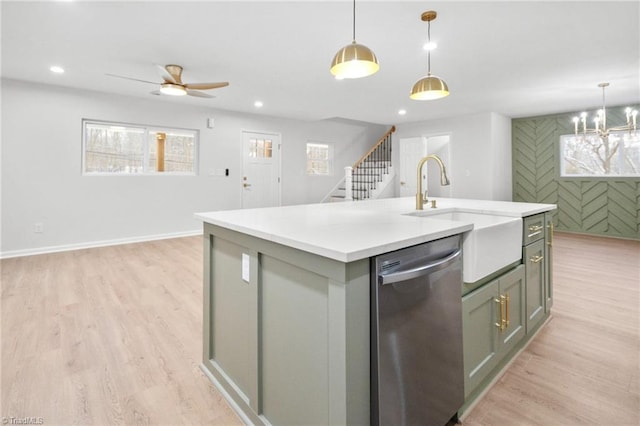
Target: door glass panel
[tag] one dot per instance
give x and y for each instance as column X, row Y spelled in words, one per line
column 260, row 148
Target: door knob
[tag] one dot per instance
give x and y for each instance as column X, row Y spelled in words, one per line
column 403, row 183
column 246, row 185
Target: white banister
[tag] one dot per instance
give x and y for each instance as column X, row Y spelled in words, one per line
column 348, row 183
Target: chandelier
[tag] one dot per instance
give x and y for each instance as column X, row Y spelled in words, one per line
column 600, row 121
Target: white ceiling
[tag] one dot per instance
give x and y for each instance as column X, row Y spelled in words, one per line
column 514, row 58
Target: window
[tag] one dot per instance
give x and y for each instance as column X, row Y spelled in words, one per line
column 590, row 155
column 114, row 148
column 318, row 159
column 260, row 148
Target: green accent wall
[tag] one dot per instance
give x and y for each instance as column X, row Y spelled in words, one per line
column 600, row 206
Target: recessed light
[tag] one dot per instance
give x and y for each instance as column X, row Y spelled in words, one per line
column 56, row 69
column 402, row 112
column 258, row 104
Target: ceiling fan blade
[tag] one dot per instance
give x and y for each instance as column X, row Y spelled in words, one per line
column 198, row 94
column 206, row 86
column 131, row 78
column 165, row 74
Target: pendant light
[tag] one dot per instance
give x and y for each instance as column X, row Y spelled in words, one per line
column 429, row 87
column 354, row 60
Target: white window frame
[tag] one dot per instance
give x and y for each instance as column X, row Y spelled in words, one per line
column 329, row 160
column 146, row 129
column 617, row 157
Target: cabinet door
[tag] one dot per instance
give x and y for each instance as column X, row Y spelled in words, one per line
column 480, row 324
column 548, row 262
column 512, row 288
column 533, row 257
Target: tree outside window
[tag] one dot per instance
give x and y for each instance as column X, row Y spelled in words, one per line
column 591, row 155
column 118, row 149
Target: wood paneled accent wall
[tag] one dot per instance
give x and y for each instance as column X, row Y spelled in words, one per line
column 599, row 206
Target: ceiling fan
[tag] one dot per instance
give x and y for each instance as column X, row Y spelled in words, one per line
column 173, row 85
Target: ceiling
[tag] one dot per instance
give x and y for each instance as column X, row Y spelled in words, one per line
column 515, row 58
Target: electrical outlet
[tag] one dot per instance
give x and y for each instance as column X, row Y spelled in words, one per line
column 38, row 227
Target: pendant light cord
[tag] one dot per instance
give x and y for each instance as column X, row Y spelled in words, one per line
column 354, row 21
column 429, row 51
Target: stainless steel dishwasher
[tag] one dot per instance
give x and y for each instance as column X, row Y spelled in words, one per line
column 417, row 374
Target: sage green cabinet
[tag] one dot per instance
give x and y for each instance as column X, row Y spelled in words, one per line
column 548, row 255
column 493, row 323
column 533, row 256
column 286, row 332
column 501, row 316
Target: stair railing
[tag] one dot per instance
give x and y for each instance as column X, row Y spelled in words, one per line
column 364, row 170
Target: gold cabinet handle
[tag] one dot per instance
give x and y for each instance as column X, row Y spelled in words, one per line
column 550, row 226
column 535, row 230
column 500, row 323
column 536, row 259
column 505, row 316
column 246, row 185
column 506, row 310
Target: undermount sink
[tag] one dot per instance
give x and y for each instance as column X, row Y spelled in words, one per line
column 493, row 243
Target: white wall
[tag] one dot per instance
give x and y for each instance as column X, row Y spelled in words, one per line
column 42, row 180
column 480, row 144
column 502, row 184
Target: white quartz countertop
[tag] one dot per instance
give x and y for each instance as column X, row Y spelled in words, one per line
column 350, row 231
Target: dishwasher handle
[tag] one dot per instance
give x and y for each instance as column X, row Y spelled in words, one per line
column 419, row 271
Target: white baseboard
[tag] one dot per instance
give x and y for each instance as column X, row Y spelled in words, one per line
column 93, row 244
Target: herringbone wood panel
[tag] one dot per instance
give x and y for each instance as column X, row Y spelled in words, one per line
column 603, row 206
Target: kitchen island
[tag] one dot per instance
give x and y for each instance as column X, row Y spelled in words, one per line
column 286, row 300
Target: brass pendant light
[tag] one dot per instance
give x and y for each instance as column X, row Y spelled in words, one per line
column 429, row 87
column 354, row 60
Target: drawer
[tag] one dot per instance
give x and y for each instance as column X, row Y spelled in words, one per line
column 533, row 229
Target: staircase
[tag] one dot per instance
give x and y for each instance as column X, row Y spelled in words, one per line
column 369, row 176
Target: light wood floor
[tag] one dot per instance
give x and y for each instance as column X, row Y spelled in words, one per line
column 108, row 336
column 113, row 336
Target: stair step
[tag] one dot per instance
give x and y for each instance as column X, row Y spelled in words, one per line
column 370, row 161
column 365, row 181
column 367, row 176
column 373, row 169
column 370, row 167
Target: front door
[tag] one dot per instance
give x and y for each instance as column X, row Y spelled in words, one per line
column 260, row 170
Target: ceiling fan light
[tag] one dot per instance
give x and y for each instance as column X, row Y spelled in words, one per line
column 428, row 88
column 354, row 61
column 172, row 89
